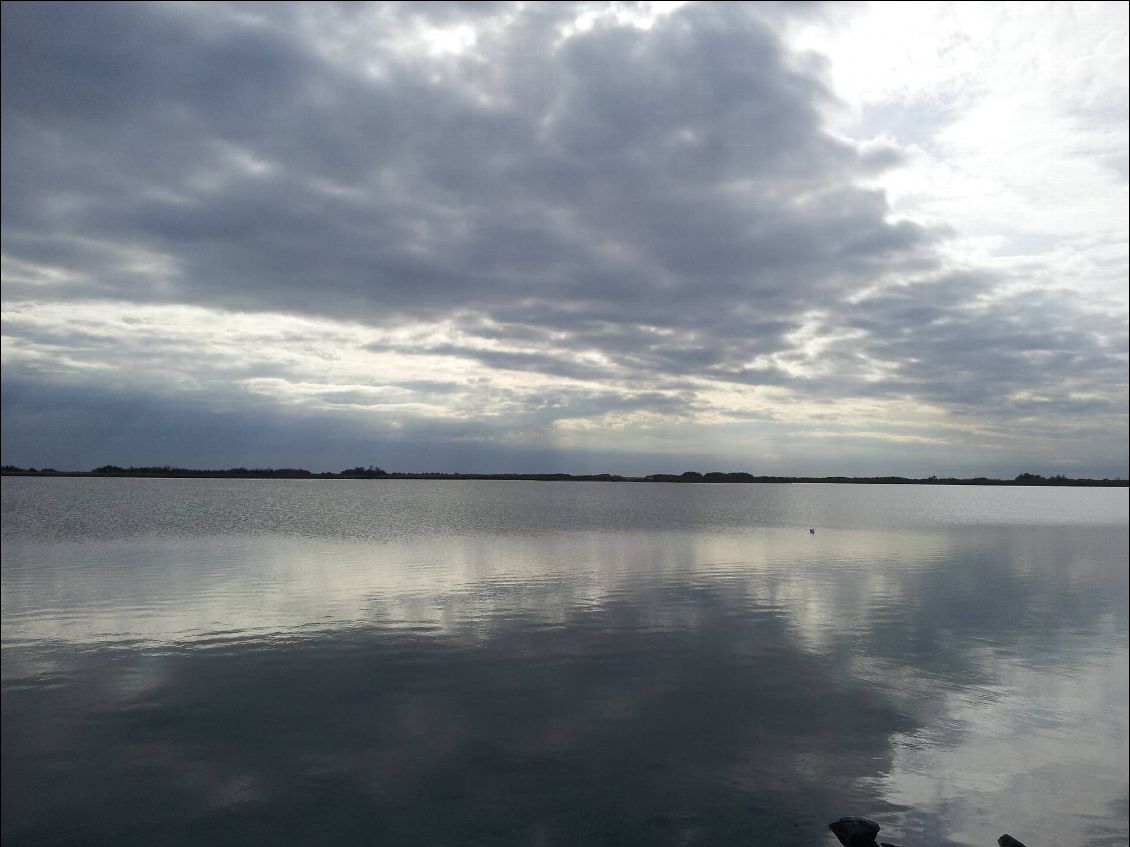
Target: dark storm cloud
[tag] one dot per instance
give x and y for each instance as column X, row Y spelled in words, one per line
column 957, row 342
column 677, row 176
column 82, row 426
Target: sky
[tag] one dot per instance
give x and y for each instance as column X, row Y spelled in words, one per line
column 793, row 238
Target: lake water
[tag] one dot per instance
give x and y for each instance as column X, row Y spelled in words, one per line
column 439, row 663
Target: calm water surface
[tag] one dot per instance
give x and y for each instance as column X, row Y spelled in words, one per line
column 308, row 662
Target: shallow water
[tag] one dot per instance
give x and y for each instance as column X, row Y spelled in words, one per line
column 410, row 662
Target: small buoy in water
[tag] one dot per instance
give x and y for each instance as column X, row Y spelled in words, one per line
column 812, row 532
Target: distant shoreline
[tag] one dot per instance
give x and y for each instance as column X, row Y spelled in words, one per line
column 168, row 472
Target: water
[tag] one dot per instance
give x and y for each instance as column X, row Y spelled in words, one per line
column 308, row 662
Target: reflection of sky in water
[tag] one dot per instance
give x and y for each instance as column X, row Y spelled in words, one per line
column 641, row 664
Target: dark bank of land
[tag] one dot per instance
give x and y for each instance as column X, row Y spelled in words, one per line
column 373, row 472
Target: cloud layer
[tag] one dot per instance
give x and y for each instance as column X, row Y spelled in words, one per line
column 562, row 230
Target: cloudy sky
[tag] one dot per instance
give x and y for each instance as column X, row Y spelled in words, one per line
column 782, row 238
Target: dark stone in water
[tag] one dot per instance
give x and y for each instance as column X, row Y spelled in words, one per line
column 860, row 832
column 855, row 832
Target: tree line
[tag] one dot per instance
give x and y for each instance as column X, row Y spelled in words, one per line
column 376, row 472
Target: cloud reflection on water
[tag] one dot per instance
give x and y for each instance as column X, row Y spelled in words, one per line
column 584, row 687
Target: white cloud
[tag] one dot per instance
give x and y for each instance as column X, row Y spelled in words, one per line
column 1014, row 118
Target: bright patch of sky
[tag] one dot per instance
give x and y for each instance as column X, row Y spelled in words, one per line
column 1012, row 118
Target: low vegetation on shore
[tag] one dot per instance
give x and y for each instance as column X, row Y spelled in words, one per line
column 374, row 472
